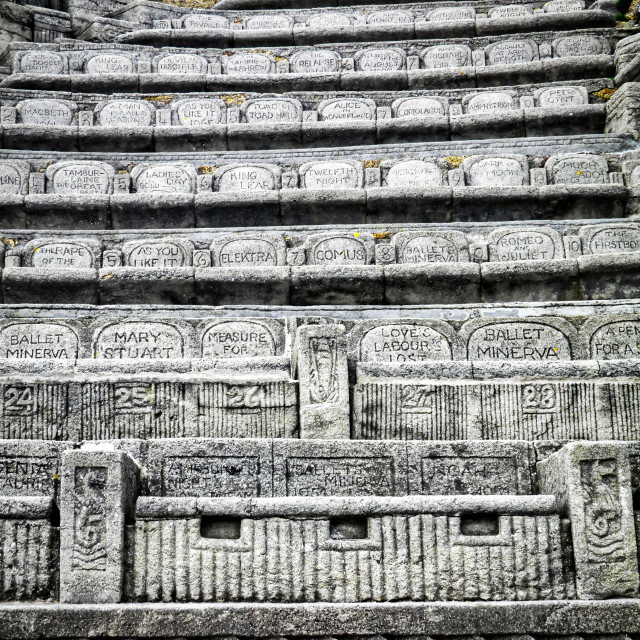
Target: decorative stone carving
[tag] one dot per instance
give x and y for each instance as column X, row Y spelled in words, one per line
column 332, row 175
column 79, row 178
column 444, row 56
column 45, row 112
column 199, row 112
column 248, row 250
column 125, row 113
column 271, row 110
column 164, row 178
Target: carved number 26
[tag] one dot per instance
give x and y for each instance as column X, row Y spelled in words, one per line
column 538, row 397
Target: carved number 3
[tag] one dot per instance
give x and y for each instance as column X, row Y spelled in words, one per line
column 254, row 396
column 538, row 396
column 19, row 400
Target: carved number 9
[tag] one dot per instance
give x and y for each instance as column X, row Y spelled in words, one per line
column 538, row 397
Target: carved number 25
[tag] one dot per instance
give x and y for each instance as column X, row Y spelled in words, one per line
column 19, row 400
column 538, row 397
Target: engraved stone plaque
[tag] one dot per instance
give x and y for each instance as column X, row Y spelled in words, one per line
column 562, row 97
column 329, row 19
column 497, row 172
column 389, row 17
column 422, row 247
column 580, row 46
column 524, row 244
column 31, row 471
column 140, row 340
column 511, row 52
column 619, row 340
column 444, row 56
column 564, row 6
column 250, row 64
column 58, row 253
column 109, row 63
column 373, row 60
column 248, row 250
column 414, row 174
column 452, row 13
column 315, row 61
column 38, row 341
column 14, row 177
column 199, row 112
column 404, row 342
column 418, row 108
column 272, row 110
column 612, row 239
column 332, row 175
column 490, row 102
column 45, row 112
column 510, row 11
column 246, row 178
column 339, row 249
column 204, row 21
column 577, row 169
column 80, row 178
column 269, row 22
column 518, row 340
column 126, row 113
column 157, row 254
column 164, row 178
column 347, row 109
column 45, row 62
column 471, row 468
column 242, row 339
column 181, row 63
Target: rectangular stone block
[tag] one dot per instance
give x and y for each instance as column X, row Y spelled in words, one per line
column 592, row 482
column 349, row 550
column 339, row 468
column 98, row 493
column 321, row 361
column 496, row 468
column 211, row 468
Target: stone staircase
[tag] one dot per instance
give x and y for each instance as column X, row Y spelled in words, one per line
column 320, row 320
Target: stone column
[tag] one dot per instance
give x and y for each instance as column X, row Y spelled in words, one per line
column 324, row 381
column 592, row 482
column 98, row 495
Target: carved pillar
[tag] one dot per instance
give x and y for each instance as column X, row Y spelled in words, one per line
column 592, row 482
column 98, row 494
column 324, row 383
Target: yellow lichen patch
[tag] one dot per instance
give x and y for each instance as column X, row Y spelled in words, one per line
column 206, row 170
column 382, row 235
column 122, row 171
column 109, row 275
column 604, row 94
column 632, row 9
column 163, row 100
column 192, row 4
column 10, row 242
column 372, row 164
column 280, row 59
column 454, row 161
column 238, row 20
column 234, row 100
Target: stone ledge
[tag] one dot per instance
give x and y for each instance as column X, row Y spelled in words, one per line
column 561, row 617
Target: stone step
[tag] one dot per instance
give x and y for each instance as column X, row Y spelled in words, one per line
column 493, row 263
column 214, row 121
column 150, row 193
column 169, row 26
column 416, row 64
column 539, row 339
column 244, row 468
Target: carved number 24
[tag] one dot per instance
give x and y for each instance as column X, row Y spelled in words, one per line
column 19, row 400
column 538, row 397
